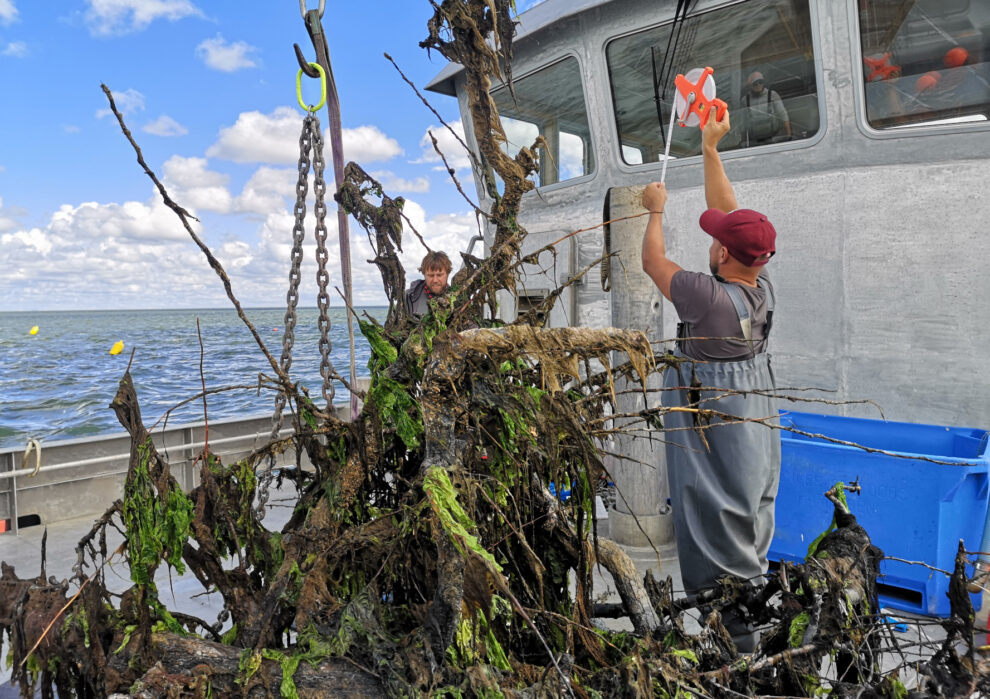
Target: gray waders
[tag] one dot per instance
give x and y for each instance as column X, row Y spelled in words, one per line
column 723, row 486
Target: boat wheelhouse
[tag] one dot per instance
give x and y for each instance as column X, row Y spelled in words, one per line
column 876, row 184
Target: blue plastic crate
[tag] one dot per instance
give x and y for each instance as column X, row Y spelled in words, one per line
column 912, row 509
column 565, row 493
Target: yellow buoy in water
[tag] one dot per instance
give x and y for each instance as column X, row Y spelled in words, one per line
column 118, row 347
column 34, row 330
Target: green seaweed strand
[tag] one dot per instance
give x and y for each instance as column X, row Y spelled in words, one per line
column 840, row 489
column 393, row 401
column 453, row 518
column 157, row 528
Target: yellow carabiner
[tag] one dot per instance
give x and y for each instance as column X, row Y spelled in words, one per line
column 323, row 88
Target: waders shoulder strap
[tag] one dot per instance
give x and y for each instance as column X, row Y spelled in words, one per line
column 740, row 305
column 771, row 301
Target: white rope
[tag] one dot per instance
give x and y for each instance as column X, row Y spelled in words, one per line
column 36, row 446
column 666, row 150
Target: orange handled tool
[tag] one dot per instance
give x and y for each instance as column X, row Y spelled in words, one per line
column 697, row 98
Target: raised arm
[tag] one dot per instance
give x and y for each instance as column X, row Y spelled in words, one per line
column 655, row 263
column 718, row 190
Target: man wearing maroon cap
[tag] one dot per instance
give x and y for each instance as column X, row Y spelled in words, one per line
column 723, row 467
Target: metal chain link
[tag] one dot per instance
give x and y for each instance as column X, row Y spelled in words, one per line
column 291, row 296
column 322, row 278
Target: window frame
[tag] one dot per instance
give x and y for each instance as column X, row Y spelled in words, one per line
column 615, row 144
column 859, row 83
column 591, row 147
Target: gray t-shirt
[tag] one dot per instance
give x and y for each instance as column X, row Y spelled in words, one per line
column 705, row 308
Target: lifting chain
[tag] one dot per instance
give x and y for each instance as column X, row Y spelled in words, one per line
column 322, row 278
column 311, row 139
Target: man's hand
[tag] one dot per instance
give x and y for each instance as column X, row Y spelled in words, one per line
column 713, row 131
column 655, row 197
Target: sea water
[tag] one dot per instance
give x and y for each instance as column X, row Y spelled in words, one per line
column 58, row 383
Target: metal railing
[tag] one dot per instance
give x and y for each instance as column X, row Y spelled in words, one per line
column 78, row 477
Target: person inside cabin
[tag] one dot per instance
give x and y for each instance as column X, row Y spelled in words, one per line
column 723, row 468
column 764, row 117
column 435, row 268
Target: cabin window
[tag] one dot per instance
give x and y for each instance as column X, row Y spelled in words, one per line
column 764, row 69
column 549, row 103
column 925, row 62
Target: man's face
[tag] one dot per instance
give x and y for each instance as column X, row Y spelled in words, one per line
column 436, row 280
column 756, row 87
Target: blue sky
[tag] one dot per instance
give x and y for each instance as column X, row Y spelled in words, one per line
column 208, row 90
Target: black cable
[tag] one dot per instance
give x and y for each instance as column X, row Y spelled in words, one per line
column 680, row 16
column 656, row 94
column 661, row 80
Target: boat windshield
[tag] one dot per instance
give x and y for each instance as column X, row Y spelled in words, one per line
column 549, row 103
column 764, row 69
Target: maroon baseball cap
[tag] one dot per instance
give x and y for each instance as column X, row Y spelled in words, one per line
column 746, row 234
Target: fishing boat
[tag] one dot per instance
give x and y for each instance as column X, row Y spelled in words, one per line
column 866, row 182
column 875, row 186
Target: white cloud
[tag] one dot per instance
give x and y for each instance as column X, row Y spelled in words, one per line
column 17, row 49
column 94, row 255
column 267, row 190
column 8, row 13
column 451, row 148
column 392, row 183
column 257, row 137
column 274, row 138
column 165, row 126
column 70, row 128
column 106, row 17
column 235, row 254
column 101, row 223
column 219, row 55
column 367, row 144
column 33, row 240
column 194, row 187
column 128, row 102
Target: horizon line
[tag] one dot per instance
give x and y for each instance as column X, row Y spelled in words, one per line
column 191, row 308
